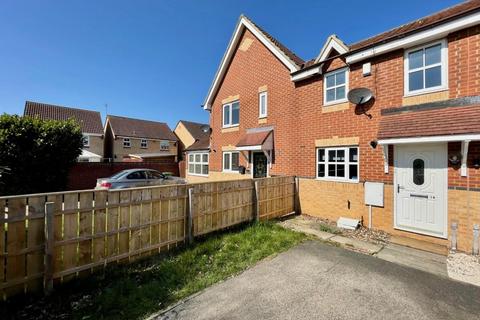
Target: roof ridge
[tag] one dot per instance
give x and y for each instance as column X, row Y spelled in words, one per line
column 289, row 53
column 136, row 119
column 200, row 123
column 59, row 106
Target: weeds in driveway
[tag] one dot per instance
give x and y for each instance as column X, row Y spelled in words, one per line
column 327, row 228
column 135, row 290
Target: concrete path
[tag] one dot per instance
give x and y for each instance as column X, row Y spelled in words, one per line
column 319, row 281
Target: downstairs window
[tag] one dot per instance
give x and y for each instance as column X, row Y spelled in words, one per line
column 338, row 164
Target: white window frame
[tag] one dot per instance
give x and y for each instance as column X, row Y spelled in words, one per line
column 223, row 161
column 230, row 105
column 144, row 143
column 325, row 103
column 260, row 96
column 443, row 64
column 201, row 163
column 127, row 143
column 346, row 163
column 164, row 142
column 86, row 141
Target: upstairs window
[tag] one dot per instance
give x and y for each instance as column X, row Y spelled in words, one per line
column 144, row 144
column 231, row 114
column 86, row 141
column 340, row 164
column 164, row 145
column 335, row 86
column 426, row 68
column 262, row 104
column 231, row 161
column 126, row 143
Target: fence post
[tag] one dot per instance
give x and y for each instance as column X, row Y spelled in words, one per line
column 257, row 202
column 49, row 247
column 190, row 217
column 297, row 196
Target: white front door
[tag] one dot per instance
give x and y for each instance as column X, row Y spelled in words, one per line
column 420, row 188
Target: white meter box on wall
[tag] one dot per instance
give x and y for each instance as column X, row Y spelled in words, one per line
column 374, row 194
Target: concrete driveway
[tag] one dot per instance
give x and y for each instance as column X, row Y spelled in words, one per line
column 319, row 281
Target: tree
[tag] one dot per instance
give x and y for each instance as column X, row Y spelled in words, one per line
column 38, row 153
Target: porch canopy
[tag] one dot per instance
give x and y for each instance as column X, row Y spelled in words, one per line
column 446, row 121
column 257, row 139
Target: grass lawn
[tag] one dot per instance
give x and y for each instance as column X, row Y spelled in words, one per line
column 135, row 290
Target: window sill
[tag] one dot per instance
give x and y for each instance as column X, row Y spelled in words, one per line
column 198, row 175
column 232, row 126
column 230, row 129
column 332, row 103
column 230, row 171
column 422, row 92
column 337, row 180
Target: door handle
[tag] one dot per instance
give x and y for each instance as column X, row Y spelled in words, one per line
column 399, row 187
column 418, row 195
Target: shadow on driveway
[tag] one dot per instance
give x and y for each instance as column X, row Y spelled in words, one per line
column 319, row 281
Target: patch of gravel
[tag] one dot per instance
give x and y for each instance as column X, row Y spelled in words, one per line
column 464, row 267
column 362, row 233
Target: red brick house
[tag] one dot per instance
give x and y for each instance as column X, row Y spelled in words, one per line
column 276, row 114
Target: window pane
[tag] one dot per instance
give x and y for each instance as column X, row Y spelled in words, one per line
column 330, row 95
column 321, row 170
column 205, row 157
column 330, row 81
column 226, row 114
column 332, row 155
column 415, row 59
column 353, row 174
column 415, row 80
column 198, row 169
column 340, row 93
column 353, row 155
column 340, row 170
column 235, row 113
column 433, row 77
column 226, row 161
column 235, row 161
column 190, row 158
column 205, row 169
column 197, row 157
column 321, row 155
column 341, row 155
column 432, row 54
column 190, row 168
column 331, row 170
column 340, row 78
column 418, row 171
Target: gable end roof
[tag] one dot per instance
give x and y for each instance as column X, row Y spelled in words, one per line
column 287, row 57
column 88, row 120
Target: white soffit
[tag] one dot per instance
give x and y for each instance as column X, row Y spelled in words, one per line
column 449, row 138
column 244, row 23
column 420, row 37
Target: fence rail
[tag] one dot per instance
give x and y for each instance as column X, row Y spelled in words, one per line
column 46, row 239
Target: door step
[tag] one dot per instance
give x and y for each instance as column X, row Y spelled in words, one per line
column 420, row 245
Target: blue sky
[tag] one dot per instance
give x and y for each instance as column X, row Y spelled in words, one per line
column 156, row 59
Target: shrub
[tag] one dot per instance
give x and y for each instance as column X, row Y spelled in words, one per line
column 38, row 153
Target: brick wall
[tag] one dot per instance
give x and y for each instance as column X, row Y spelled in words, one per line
column 84, row 175
column 301, row 122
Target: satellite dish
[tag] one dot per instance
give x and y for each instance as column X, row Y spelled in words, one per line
column 205, row 128
column 359, row 95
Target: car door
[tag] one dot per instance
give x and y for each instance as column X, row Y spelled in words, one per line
column 136, row 179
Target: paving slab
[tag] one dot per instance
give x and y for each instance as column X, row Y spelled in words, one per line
column 366, row 247
column 307, row 228
column 414, row 258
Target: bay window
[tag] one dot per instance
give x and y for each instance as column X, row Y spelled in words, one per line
column 198, row 163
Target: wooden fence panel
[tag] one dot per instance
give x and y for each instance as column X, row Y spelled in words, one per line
column 94, row 228
column 35, row 243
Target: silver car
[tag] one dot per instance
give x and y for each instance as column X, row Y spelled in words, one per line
column 133, row 178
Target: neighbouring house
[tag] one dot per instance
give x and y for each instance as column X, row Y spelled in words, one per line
column 89, row 121
column 128, row 139
column 194, row 143
column 276, row 114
